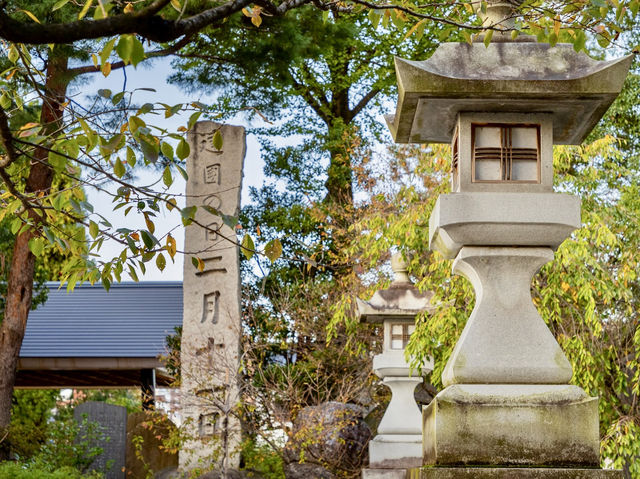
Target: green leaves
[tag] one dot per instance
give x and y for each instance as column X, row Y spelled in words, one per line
column 487, row 38
column 5, row 100
column 135, row 123
column 150, row 148
column 183, row 149
column 118, row 168
column 580, row 41
column 130, row 50
column 247, row 247
column 188, row 214
column 148, row 239
column 161, row 262
column 273, row 250
column 94, row 230
column 13, row 53
column 85, row 9
column 58, row 5
column 166, row 177
column 106, row 51
column 217, row 140
column 36, row 246
column 167, row 150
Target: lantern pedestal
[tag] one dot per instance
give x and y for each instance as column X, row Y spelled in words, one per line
column 512, row 425
column 391, row 451
column 399, row 440
column 509, row 473
column 505, row 341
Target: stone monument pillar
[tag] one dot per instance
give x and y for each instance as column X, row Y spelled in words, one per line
column 211, row 322
column 508, row 410
column 398, row 444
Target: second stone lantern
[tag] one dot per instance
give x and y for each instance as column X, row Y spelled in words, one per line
column 508, row 410
column 398, row 443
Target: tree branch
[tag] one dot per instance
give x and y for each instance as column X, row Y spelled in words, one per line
column 114, row 66
column 413, row 13
column 363, row 102
column 145, row 23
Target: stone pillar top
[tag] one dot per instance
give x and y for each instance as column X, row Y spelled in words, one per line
column 399, row 267
column 500, row 14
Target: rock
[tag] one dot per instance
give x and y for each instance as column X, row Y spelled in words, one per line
column 327, row 440
column 168, row 473
column 306, row 470
column 231, row 474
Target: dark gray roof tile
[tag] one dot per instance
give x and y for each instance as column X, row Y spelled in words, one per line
column 131, row 320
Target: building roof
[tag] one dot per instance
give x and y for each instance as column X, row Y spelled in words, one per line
column 131, row 320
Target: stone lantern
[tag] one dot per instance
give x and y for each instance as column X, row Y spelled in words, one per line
column 398, row 444
column 508, row 410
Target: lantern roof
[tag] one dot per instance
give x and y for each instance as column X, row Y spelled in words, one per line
column 503, row 77
column 400, row 301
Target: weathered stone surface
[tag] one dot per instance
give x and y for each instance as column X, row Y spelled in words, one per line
column 384, row 474
column 536, row 425
column 306, row 470
column 330, row 437
column 153, row 428
column 574, row 88
column 231, row 474
column 211, row 323
column 510, row 473
column 502, row 219
column 174, row 473
column 388, row 451
column 112, row 422
column 168, row 473
column 403, row 415
column 505, row 341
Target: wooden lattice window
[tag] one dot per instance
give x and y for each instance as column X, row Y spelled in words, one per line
column 505, row 153
column 400, row 333
column 455, row 158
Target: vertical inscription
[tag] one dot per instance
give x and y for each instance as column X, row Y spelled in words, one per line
column 212, row 174
column 208, row 424
column 211, row 308
column 205, row 142
column 213, row 201
column 210, row 233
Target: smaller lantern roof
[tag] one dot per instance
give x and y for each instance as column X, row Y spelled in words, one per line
column 503, row 77
column 400, row 301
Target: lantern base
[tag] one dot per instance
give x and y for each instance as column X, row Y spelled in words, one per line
column 384, row 473
column 508, row 473
column 511, row 425
column 388, row 451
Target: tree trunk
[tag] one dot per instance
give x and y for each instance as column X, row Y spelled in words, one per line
column 20, row 282
column 339, row 182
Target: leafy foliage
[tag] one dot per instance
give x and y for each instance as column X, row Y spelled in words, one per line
column 31, row 413
column 12, row 470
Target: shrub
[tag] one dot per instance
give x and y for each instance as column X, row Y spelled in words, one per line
column 16, row 470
